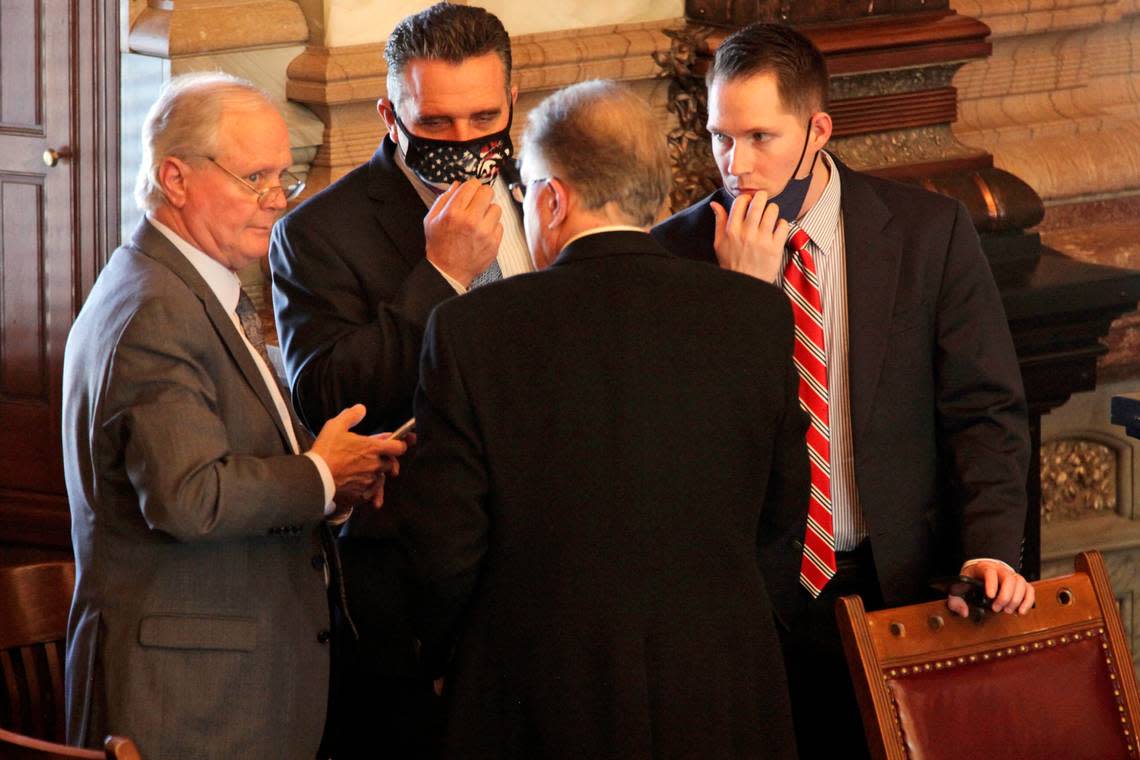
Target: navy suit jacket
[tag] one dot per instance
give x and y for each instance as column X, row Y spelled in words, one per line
column 937, row 407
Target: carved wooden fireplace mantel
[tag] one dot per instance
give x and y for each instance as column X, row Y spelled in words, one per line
column 892, row 102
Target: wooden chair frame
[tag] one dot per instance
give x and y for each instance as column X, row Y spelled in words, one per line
column 34, row 604
column 891, row 644
column 19, row 747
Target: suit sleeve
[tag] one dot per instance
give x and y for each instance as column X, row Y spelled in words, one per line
column 982, row 413
column 342, row 345
column 444, row 521
column 161, row 412
column 783, row 519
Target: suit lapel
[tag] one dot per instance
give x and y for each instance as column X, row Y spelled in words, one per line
column 154, row 244
column 872, row 261
column 399, row 209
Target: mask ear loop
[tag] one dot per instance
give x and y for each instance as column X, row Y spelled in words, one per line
column 803, row 152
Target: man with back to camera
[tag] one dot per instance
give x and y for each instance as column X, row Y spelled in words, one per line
column 199, row 622
column 919, row 443
column 593, row 486
column 358, row 267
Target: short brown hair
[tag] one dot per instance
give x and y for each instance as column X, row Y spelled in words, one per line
column 797, row 64
column 445, row 32
column 603, row 140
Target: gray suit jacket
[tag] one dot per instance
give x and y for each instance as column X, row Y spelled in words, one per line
column 200, row 604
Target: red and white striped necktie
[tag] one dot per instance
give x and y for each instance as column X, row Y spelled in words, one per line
column 801, row 283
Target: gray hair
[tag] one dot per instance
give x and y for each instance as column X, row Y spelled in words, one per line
column 603, row 140
column 445, row 32
column 184, row 122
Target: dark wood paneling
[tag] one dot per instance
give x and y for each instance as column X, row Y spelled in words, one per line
column 737, row 13
column 20, row 103
column 57, row 227
column 23, row 353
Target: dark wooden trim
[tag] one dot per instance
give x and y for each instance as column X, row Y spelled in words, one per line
column 95, row 70
column 34, row 519
column 881, row 113
column 919, row 172
column 902, row 41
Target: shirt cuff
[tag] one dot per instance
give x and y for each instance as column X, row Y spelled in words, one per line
column 326, row 480
column 975, row 561
column 450, row 280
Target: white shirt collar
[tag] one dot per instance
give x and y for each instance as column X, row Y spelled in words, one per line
column 223, row 281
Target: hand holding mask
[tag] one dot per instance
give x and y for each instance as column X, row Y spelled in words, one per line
column 463, row 230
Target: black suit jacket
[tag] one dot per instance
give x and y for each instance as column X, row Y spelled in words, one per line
column 937, row 407
column 600, row 477
column 352, row 292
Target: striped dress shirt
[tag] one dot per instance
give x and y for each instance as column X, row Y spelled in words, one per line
column 824, row 225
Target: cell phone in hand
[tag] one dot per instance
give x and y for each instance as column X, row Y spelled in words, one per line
column 401, row 432
column 971, row 590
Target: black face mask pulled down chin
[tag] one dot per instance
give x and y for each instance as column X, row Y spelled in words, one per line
column 441, row 162
column 790, row 200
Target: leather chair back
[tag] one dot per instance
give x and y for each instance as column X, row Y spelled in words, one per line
column 1055, row 683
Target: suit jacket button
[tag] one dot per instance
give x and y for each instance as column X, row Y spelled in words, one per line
column 318, row 562
column 797, row 544
column 323, row 637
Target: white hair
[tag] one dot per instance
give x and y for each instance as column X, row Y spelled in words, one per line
column 184, row 122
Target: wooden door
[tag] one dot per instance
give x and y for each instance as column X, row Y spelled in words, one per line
column 55, row 80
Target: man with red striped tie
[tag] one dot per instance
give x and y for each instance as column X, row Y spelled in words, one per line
column 918, row 440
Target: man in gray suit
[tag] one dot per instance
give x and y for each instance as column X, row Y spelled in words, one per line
column 200, row 620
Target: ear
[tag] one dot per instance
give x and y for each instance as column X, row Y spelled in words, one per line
column 387, row 111
column 172, row 179
column 557, row 202
column 514, row 94
column 820, row 130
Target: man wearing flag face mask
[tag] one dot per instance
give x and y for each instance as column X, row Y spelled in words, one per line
column 918, row 439
column 356, row 270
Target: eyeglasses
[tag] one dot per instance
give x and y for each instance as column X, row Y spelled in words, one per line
column 518, row 189
column 289, row 185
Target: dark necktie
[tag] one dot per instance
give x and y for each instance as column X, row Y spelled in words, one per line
column 801, row 283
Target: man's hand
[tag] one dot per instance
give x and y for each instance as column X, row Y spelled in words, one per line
column 356, row 461
column 1009, row 591
column 463, row 230
column 750, row 238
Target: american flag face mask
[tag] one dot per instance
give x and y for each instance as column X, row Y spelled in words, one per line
column 441, row 162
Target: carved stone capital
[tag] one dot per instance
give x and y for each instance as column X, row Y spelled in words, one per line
column 174, row 28
column 341, row 84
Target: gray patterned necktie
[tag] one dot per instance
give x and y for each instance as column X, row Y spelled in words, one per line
column 490, row 274
column 251, row 326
